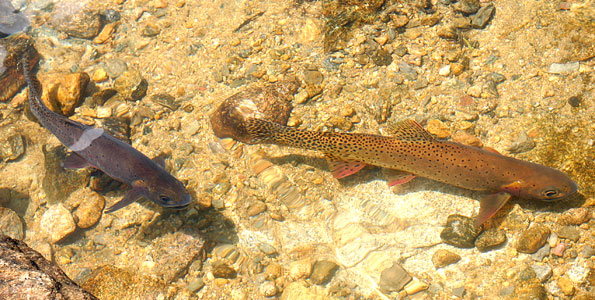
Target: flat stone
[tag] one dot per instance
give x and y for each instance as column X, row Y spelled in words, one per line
column 297, row 291
column 467, row 6
column 58, row 183
column 73, row 18
column 569, row 232
column 394, row 278
column 174, row 252
column 531, row 289
column 27, row 275
column 255, row 208
column 490, row 239
column 459, row 231
column 523, row 143
column 323, row 271
column 10, row 224
column 483, row 16
column 442, row 258
column 57, row 222
column 542, row 253
column 109, row 282
column 13, row 20
column 532, row 239
column 570, row 67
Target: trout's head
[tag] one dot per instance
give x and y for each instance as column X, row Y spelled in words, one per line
column 546, row 184
column 168, row 192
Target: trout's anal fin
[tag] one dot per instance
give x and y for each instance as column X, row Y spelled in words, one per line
column 397, row 177
column 489, row 205
column 342, row 168
column 74, row 161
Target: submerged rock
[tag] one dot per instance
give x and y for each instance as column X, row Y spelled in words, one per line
column 532, row 239
column 109, row 282
column 272, row 103
column 11, row 51
column 10, row 224
column 443, row 258
column 11, row 20
column 394, row 278
column 459, row 231
column 490, row 239
column 12, row 148
column 57, row 222
column 323, row 271
column 63, row 92
column 58, row 183
column 27, row 275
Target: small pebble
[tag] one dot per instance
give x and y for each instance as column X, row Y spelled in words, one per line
column 12, row 148
column 566, row 286
column 99, row 75
column 541, row 253
column 394, row 278
column 588, row 251
column 131, row 85
column 490, row 239
column 415, row 286
column 382, row 58
column 267, row 249
column 467, row 6
column 522, row 144
column 268, row 289
column 574, row 101
column 444, row 71
column 459, row 292
column 559, row 249
column 323, row 271
column 564, row 68
column 222, row 270
column 569, row 232
column 459, row 231
column 90, row 209
column 10, row 224
column 196, row 285
column 483, row 16
column 300, row 269
column 531, row 289
column 151, row 30
column 543, row 272
column 532, row 239
column 442, row 258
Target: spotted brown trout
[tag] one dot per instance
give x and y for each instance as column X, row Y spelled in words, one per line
column 93, row 147
column 415, row 152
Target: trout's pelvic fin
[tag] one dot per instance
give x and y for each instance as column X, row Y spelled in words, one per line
column 489, row 205
column 74, row 161
column 342, row 168
column 397, row 177
column 409, row 130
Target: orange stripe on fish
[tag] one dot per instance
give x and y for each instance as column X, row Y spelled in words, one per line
column 413, row 150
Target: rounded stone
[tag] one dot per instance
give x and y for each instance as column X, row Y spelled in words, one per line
column 443, row 258
column 268, row 289
column 490, row 239
column 57, row 222
column 569, row 232
column 532, row 239
column 222, row 270
column 90, row 208
column 131, row 85
column 459, row 231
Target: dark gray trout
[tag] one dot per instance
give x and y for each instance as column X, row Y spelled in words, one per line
column 414, row 152
column 93, row 147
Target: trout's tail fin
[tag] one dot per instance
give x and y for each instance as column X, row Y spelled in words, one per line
column 263, row 132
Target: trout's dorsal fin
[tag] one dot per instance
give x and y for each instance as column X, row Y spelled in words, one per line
column 409, row 130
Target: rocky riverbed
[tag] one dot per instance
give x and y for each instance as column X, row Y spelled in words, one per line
column 270, row 222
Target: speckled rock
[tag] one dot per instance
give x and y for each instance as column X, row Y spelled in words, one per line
column 459, row 231
column 272, row 102
column 575, row 216
column 90, row 208
column 57, row 223
column 467, row 6
column 442, row 258
column 394, row 278
column 75, row 19
column 530, row 290
column 10, row 224
column 27, row 275
column 131, row 85
column 58, row 183
column 323, row 271
column 109, row 282
column 174, row 252
column 297, row 291
column 490, row 239
column 532, row 239
column 12, row 148
column 63, row 92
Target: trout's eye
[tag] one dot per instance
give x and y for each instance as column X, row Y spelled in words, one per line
column 550, row 193
column 164, row 199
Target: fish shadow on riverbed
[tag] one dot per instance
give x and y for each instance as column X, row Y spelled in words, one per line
column 418, row 184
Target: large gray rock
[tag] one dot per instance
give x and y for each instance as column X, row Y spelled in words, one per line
column 27, row 275
column 11, row 21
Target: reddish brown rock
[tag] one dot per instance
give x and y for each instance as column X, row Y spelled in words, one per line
column 272, row 103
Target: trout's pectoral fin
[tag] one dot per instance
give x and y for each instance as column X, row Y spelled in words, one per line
column 342, row 168
column 74, row 161
column 137, row 191
column 396, row 177
column 489, row 205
